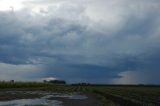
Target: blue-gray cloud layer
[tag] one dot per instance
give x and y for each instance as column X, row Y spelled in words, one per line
column 92, row 41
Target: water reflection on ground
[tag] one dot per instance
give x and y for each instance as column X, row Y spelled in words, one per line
column 31, row 102
column 42, row 101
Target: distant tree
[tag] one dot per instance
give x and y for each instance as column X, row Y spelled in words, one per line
column 12, row 81
column 44, row 81
column 57, row 81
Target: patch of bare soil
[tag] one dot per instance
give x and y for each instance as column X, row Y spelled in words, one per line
column 4, row 96
column 90, row 101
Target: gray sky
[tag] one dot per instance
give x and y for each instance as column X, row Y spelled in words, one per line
column 97, row 41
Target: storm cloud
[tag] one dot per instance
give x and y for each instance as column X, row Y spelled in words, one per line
column 97, row 41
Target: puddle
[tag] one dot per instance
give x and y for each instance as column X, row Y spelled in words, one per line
column 78, row 97
column 67, row 96
column 31, row 102
column 43, row 101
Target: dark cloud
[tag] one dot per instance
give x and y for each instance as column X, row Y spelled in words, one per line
column 101, row 42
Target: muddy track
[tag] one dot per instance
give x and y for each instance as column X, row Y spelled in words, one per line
column 119, row 100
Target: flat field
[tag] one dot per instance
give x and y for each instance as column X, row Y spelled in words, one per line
column 97, row 95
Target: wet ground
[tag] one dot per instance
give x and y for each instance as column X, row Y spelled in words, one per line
column 41, row 98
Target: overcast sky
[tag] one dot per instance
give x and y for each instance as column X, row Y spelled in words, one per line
column 96, row 41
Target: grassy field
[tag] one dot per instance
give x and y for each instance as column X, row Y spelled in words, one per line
column 109, row 95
